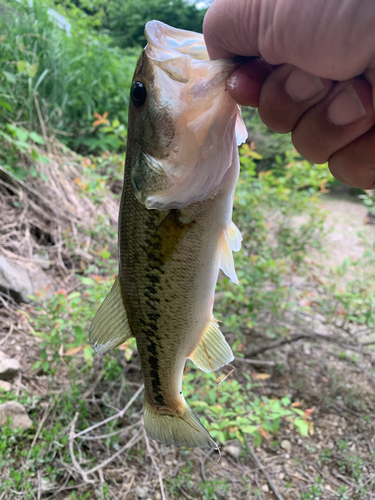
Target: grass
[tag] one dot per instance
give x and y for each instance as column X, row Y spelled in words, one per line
column 69, row 78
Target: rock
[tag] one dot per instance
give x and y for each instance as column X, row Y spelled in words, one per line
column 9, row 367
column 286, row 445
column 141, row 492
column 5, row 386
column 281, row 475
column 265, row 488
column 17, row 414
column 233, row 450
column 20, row 282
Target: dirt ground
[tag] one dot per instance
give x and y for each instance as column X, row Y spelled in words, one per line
column 346, row 217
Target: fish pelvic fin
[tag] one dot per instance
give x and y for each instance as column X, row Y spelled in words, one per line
column 110, row 326
column 181, row 429
column 213, row 351
column 230, row 241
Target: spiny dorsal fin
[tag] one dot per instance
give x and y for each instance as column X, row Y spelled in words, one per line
column 213, row 351
column 110, row 326
column 230, row 241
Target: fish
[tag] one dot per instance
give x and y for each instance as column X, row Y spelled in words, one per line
column 175, row 225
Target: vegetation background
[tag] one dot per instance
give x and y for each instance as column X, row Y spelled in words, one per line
column 296, row 418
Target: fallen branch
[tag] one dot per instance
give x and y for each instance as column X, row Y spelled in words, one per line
column 256, row 362
column 277, row 343
column 77, row 466
column 263, row 469
column 120, row 414
column 150, row 452
column 310, row 336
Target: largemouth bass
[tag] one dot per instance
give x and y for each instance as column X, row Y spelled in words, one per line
column 175, row 229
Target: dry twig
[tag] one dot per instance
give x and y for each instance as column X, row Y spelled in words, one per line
column 263, row 469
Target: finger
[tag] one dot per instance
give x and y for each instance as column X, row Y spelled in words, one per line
column 330, row 39
column 287, row 93
column 246, row 81
column 342, row 116
column 355, row 163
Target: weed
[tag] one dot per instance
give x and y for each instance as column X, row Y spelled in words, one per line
column 214, row 489
column 315, row 492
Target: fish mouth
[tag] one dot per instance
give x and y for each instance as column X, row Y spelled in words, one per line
column 183, row 57
column 172, row 41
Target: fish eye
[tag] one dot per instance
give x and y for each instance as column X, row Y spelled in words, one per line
column 138, row 94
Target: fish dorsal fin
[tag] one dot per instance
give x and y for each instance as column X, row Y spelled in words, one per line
column 230, row 241
column 110, row 327
column 213, row 351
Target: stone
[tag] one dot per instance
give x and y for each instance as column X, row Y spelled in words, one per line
column 17, row 414
column 281, row 476
column 265, row 488
column 20, row 282
column 286, row 445
column 233, row 451
column 5, row 386
column 141, row 492
column 9, row 368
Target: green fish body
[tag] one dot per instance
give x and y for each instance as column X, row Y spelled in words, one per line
column 175, row 229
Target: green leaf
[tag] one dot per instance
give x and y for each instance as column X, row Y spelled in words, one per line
column 44, row 159
column 249, row 429
column 302, row 426
column 10, row 77
column 88, row 281
column 20, row 173
column 31, row 69
column 33, row 172
column 6, row 105
column 36, row 138
column 34, row 154
column 21, row 66
column 88, row 354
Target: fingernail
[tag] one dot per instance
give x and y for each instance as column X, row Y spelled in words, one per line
column 303, row 86
column 346, row 107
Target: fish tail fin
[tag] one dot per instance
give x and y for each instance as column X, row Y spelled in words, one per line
column 181, row 429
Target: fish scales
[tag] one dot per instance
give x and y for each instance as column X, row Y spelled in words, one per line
column 175, row 229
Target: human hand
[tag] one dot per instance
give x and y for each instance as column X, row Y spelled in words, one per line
column 312, row 74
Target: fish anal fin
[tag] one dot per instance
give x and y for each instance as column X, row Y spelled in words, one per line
column 213, row 351
column 110, row 326
column 234, row 237
column 181, row 429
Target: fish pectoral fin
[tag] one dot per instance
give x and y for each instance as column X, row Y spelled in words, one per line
column 213, row 351
column 110, row 327
column 230, row 241
column 184, row 429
